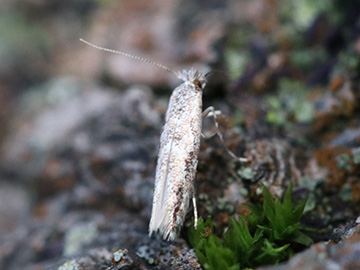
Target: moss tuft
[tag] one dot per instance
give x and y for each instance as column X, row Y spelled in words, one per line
column 270, row 234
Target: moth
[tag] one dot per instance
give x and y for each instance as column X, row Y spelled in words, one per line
column 178, row 157
column 178, row 153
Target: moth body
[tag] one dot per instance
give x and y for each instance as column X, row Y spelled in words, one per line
column 178, row 156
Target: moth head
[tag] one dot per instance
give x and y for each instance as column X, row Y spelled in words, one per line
column 199, row 82
column 193, row 76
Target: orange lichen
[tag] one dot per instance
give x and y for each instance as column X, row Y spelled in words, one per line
column 355, row 191
column 328, row 158
column 336, row 83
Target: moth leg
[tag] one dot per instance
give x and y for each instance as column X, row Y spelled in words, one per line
column 210, row 112
column 195, row 212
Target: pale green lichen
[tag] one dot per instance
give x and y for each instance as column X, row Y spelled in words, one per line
column 246, row 173
column 343, row 162
column 356, row 156
column 302, row 13
column 290, row 104
column 236, row 63
column 223, row 204
column 79, row 236
column 118, row 255
column 147, row 254
column 69, row 265
column 346, row 192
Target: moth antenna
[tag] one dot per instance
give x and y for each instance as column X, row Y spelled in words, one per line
column 207, row 74
column 130, row 56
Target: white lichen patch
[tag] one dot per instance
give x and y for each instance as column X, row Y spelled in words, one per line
column 79, row 236
column 69, row 265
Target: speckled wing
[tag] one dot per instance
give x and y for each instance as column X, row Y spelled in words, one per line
column 177, row 161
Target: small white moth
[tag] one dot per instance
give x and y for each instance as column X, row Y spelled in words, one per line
column 178, row 155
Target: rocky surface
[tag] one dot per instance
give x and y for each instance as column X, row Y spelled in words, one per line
column 80, row 128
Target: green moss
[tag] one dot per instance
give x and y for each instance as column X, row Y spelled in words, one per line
column 212, row 254
column 268, row 235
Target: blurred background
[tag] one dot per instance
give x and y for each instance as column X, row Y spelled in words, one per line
column 80, row 128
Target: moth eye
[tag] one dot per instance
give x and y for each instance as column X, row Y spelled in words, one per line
column 199, row 84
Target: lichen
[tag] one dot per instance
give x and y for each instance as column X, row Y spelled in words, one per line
column 69, row 265
column 79, row 236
